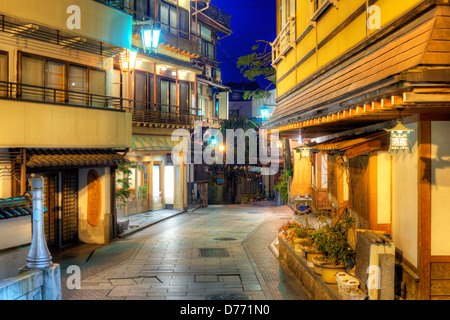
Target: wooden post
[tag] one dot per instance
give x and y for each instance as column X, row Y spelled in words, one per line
column 424, row 223
column 23, row 173
column 373, row 191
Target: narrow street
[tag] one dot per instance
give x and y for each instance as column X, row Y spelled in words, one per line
column 215, row 253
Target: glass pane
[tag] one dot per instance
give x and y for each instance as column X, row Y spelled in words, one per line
column 142, row 189
column 77, row 84
column 3, row 74
column 164, row 96
column 173, row 97
column 169, row 184
column 97, row 86
column 184, row 23
column 173, row 20
column 141, row 91
column 155, row 181
column 55, row 78
column 164, row 16
column 33, row 74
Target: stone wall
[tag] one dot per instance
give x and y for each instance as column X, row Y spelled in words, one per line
column 33, row 284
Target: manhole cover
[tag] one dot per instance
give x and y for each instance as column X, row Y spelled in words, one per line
column 224, row 239
column 213, row 253
column 229, row 296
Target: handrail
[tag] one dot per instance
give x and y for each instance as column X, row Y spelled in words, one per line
column 142, row 111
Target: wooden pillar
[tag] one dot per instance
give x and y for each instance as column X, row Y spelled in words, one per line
column 373, row 191
column 150, row 184
column 424, row 216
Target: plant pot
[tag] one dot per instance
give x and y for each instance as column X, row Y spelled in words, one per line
column 310, row 254
column 317, row 262
column 329, row 271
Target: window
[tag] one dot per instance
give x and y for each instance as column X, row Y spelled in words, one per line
column 3, row 73
column 32, row 74
column 50, row 79
column 169, row 18
column 77, row 85
column 55, row 77
column 140, row 94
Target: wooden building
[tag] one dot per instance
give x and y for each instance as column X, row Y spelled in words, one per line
column 346, row 71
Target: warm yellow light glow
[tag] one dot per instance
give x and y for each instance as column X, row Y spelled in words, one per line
column 128, row 60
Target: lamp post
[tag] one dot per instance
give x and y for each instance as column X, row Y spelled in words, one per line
column 39, row 255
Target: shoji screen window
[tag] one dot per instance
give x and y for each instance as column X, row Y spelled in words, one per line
column 78, row 85
column 32, row 76
column 97, row 87
column 55, row 78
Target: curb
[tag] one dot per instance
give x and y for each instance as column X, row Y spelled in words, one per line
column 142, row 227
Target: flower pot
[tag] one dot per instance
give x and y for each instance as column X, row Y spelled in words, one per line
column 329, row 271
column 317, row 262
column 310, row 254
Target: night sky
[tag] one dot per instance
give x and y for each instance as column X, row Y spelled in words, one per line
column 251, row 20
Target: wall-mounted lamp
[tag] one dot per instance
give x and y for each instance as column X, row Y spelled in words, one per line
column 128, row 60
column 150, row 38
column 400, row 137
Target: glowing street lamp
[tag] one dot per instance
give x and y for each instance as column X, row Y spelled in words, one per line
column 265, row 113
column 128, row 60
column 213, row 141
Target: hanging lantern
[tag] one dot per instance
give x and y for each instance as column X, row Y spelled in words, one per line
column 400, row 138
column 305, row 152
column 265, row 113
column 150, row 38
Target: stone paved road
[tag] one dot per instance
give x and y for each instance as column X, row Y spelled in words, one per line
column 216, row 251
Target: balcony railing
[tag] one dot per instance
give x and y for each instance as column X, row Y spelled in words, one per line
column 142, row 111
column 213, row 12
column 284, row 42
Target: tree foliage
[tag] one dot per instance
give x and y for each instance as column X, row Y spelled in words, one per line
column 258, row 64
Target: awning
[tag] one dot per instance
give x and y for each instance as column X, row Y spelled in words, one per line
column 72, row 158
column 354, row 145
column 16, row 207
column 153, row 143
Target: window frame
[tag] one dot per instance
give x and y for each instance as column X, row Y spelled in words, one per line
column 67, row 64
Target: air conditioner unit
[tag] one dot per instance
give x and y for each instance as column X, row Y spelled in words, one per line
column 375, row 265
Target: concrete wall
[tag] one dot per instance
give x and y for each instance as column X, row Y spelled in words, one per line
column 405, row 199
column 15, row 232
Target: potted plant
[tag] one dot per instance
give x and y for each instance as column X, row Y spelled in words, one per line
column 331, row 240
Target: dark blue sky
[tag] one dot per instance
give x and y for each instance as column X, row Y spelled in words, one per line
column 251, row 20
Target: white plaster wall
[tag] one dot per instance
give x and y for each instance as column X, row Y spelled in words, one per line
column 15, row 232
column 405, row 199
column 440, row 188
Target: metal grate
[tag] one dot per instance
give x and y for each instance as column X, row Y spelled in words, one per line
column 213, row 253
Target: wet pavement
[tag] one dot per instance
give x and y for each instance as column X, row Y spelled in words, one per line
column 214, row 253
